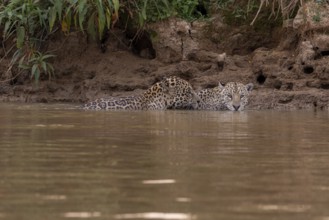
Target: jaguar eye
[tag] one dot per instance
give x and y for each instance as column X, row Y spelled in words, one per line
column 241, row 96
column 230, row 96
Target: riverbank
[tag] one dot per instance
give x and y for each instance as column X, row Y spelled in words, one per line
column 288, row 68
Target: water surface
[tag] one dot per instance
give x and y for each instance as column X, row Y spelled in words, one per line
column 57, row 162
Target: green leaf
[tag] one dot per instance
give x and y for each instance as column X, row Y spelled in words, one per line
column 40, row 16
column 44, row 66
column 24, row 66
column 47, row 56
column 9, row 14
column 33, row 59
column 82, row 11
column 10, row 30
column 23, row 8
column 66, row 22
column 33, row 70
column 50, row 68
column 101, row 18
column 59, row 7
column 17, row 55
column 52, row 18
column 91, row 26
column 144, row 10
column 20, row 17
column 7, row 25
column 68, row 17
column 108, row 18
column 140, row 20
column 20, row 36
column 37, row 75
column 116, row 4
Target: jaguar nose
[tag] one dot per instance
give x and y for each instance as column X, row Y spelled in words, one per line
column 236, row 107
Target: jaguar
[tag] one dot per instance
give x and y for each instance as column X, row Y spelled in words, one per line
column 170, row 93
column 233, row 96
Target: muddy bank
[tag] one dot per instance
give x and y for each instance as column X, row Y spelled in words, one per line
column 288, row 67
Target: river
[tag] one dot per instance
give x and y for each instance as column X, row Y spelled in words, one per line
column 58, row 162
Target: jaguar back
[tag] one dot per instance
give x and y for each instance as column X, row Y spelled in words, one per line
column 170, row 93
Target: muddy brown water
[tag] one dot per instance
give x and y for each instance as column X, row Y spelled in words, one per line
column 57, row 162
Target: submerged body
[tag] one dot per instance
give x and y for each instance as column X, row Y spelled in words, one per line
column 233, row 96
column 170, row 93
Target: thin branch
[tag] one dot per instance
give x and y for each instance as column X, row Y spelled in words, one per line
column 12, row 78
column 259, row 9
column 6, row 52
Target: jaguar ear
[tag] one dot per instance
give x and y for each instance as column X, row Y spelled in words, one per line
column 220, row 85
column 249, row 86
column 164, row 86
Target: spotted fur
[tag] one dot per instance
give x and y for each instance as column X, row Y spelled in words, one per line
column 233, row 96
column 170, row 93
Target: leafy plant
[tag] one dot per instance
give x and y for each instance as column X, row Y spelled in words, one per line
column 237, row 12
column 153, row 10
column 240, row 11
column 286, row 8
column 36, row 62
column 24, row 19
column 91, row 15
column 26, row 23
column 186, row 9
